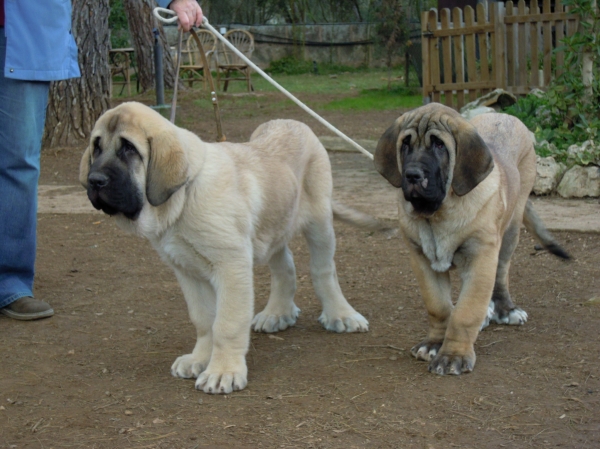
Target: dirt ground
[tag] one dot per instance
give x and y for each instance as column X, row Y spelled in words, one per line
column 96, row 375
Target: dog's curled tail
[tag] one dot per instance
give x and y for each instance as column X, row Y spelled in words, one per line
column 359, row 219
column 534, row 224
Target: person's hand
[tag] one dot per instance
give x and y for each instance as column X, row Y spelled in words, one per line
column 188, row 12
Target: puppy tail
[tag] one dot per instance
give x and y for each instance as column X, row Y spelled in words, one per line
column 533, row 223
column 359, row 219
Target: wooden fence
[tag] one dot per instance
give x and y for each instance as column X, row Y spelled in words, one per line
column 516, row 48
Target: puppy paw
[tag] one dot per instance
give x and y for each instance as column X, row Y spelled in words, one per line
column 426, row 350
column 267, row 321
column 188, row 366
column 489, row 316
column 351, row 322
column 443, row 364
column 515, row 317
column 216, row 380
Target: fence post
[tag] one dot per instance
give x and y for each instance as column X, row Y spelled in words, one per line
column 500, row 47
column 434, row 56
column 447, row 56
column 459, row 58
column 425, row 37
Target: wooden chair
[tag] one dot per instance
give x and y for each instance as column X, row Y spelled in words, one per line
column 230, row 67
column 192, row 68
column 120, row 67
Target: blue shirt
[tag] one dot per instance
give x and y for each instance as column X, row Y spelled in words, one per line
column 39, row 42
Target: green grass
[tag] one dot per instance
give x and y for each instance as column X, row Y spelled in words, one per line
column 378, row 99
column 359, row 90
column 336, row 83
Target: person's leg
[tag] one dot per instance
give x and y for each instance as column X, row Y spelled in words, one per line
column 22, row 115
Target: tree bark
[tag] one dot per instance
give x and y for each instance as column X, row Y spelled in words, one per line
column 141, row 23
column 74, row 105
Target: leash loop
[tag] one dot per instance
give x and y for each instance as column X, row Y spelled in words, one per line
column 157, row 13
column 206, row 69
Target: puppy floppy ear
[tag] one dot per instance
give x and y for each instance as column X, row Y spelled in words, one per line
column 473, row 162
column 167, row 167
column 84, row 166
column 386, row 159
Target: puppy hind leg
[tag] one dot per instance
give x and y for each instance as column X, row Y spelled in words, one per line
column 338, row 315
column 200, row 298
column 504, row 310
column 280, row 311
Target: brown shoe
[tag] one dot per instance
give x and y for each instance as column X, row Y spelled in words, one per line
column 27, row 308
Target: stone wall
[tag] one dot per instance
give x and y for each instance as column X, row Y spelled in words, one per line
column 349, row 44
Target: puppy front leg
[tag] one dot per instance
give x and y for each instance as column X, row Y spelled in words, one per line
column 436, row 291
column 227, row 370
column 200, row 298
column 457, row 354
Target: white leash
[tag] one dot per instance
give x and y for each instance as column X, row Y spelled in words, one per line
column 207, row 25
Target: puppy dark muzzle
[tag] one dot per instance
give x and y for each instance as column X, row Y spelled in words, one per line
column 416, row 179
column 114, row 196
column 97, row 181
column 422, row 190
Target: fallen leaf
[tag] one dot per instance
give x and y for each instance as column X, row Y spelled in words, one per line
column 593, row 301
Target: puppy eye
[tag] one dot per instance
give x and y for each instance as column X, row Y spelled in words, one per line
column 437, row 143
column 127, row 148
column 97, row 149
column 406, row 141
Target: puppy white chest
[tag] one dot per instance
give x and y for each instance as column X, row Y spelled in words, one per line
column 438, row 245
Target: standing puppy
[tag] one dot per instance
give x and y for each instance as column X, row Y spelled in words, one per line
column 213, row 210
column 465, row 189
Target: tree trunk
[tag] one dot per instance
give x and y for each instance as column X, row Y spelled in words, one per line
column 74, row 105
column 141, row 23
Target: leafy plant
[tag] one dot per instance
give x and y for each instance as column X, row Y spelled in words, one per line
column 290, row 65
column 117, row 23
column 392, row 30
column 567, row 114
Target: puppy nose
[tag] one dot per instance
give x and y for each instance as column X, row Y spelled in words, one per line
column 414, row 175
column 97, row 181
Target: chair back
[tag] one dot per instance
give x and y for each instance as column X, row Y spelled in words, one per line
column 192, row 55
column 243, row 41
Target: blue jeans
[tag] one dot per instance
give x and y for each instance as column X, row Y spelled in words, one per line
column 22, row 115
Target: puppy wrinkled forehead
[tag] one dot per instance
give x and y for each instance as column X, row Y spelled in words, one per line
column 115, row 120
column 428, row 120
column 422, row 123
column 113, row 123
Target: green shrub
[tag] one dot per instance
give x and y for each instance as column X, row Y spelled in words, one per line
column 290, row 65
column 565, row 115
column 117, row 22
